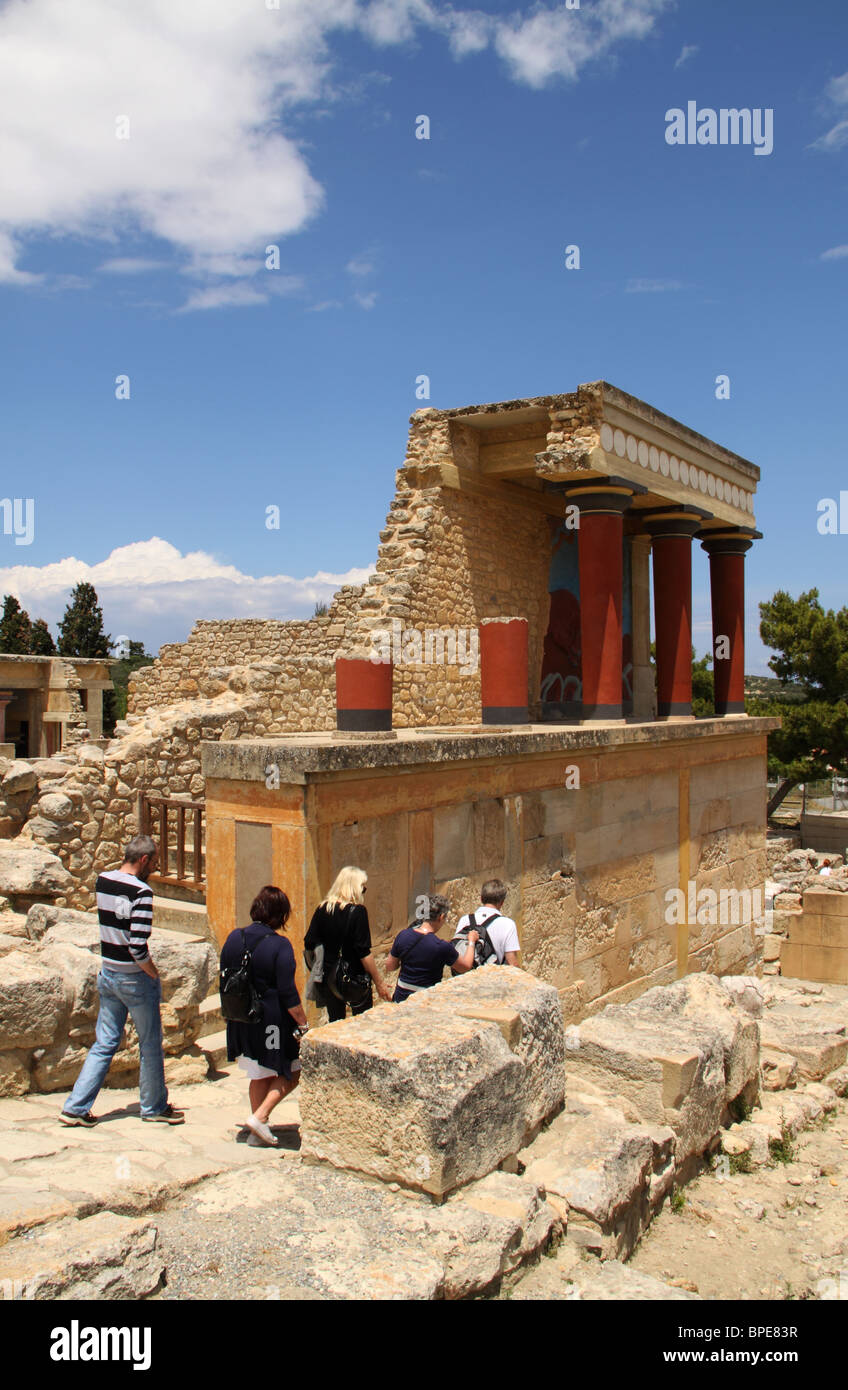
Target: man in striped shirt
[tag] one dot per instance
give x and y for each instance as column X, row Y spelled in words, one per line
column 128, row 984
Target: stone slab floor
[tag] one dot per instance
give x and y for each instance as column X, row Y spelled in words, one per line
column 123, row 1165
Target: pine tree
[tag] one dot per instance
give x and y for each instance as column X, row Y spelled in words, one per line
column 81, row 629
column 15, row 628
column 40, row 642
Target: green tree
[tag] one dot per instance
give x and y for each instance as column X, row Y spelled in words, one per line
column 41, row 643
column 15, row 628
column 811, row 661
column 703, row 689
column 81, row 629
column 115, row 702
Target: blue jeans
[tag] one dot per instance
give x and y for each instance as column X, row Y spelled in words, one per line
column 122, row 993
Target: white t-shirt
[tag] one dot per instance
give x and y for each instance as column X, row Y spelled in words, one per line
column 503, row 933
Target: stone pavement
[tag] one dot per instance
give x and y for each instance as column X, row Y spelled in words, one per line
column 48, row 1171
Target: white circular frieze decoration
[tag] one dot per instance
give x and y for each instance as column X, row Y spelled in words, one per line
column 606, row 437
column 673, row 465
column 619, row 443
column 684, row 472
column 643, row 453
column 654, row 458
column 734, row 497
column 751, row 503
column 720, row 489
column 711, row 485
column 702, row 481
column 632, row 448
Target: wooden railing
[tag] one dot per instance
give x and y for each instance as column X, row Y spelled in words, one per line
column 178, row 829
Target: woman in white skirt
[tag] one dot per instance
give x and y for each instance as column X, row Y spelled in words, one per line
column 267, row 1051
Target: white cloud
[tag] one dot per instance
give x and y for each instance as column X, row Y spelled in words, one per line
column 836, row 253
column 208, row 168
column 153, row 592
column 241, row 294
column 558, row 42
column 836, row 97
column 360, row 265
column 687, row 51
column 652, row 286
column 324, row 305
column 366, row 301
column 131, row 265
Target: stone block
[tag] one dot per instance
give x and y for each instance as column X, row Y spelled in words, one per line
column 436, row 1092
column 32, row 1002
column 28, row 870
column 528, row 1013
column 14, row 1073
column 103, row 1257
column 414, row 1096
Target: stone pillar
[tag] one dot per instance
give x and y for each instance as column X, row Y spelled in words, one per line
column 504, row 680
column 644, row 697
column 672, row 533
column 6, row 696
column 602, row 505
column 726, row 550
column 363, row 694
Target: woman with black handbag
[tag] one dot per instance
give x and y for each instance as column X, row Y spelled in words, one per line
column 340, row 924
column 267, row 1049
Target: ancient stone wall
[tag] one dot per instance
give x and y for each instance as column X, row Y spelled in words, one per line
column 84, row 806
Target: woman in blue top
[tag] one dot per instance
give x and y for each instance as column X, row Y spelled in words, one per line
column 422, row 954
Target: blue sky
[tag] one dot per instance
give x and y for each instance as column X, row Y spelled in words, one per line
column 251, row 387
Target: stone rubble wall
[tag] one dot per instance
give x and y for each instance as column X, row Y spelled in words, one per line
column 807, row 935
column 49, row 1002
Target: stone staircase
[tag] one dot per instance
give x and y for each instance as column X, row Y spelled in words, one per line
column 190, row 918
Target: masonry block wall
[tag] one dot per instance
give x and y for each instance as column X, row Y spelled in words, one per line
column 590, row 870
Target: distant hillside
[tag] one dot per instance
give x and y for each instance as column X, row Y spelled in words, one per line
column 770, row 688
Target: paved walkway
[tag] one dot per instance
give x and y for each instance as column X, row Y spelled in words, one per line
column 123, row 1165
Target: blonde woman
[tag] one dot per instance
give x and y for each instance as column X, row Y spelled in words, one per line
column 340, row 925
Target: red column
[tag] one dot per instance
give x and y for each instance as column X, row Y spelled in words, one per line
column 504, row 670
column 671, row 549
column 727, row 590
column 601, row 536
column 363, row 694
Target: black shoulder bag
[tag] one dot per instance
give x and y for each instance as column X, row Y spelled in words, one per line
column 240, row 999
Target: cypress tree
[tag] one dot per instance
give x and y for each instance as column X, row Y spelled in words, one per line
column 15, row 628
column 81, row 629
column 41, row 643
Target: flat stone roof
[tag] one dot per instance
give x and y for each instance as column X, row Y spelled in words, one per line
column 299, row 756
column 534, row 410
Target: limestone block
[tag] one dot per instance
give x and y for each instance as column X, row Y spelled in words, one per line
column 705, row 1003
column 32, row 1002
column 779, row 1069
column 414, row 1096
column 672, row 1074
column 78, row 968
column 21, row 777
column 600, row 1167
column 56, row 1068
column 100, row 1257
column 29, row 870
column 528, row 1012
column 56, row 807
column 818, row 1048
column 14, row 1073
